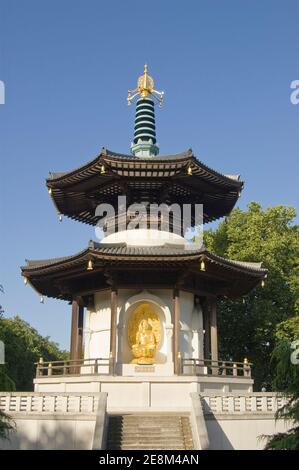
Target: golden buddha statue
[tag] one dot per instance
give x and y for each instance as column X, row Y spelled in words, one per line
column 144, row 333
column 145, row 347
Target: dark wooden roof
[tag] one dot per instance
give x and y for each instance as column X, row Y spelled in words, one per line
column 77, row 193
column 160, row 267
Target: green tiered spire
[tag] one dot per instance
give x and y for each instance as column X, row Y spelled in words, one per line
column 145, row 142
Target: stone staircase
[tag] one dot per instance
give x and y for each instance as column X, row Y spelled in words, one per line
column 149, row 432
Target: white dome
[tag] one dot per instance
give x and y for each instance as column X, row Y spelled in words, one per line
column 144, row 237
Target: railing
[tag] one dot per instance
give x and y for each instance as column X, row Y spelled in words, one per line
column 218, row 368
column 103, row 366
column 245, row 403
column 48, row 402
column 75, row 367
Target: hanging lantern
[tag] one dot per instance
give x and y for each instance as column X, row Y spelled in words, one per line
column 263, row 283
column 42, row 300
column 25, row 281
column 60, row 217
column 50, row 191
column 202, row 265
column 103, row 169
column 129, row 97
column 90, row 265
column 189, row 171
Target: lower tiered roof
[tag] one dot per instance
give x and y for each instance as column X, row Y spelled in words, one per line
column 124, row 266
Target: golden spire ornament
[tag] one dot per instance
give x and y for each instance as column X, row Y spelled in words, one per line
column 145, row 88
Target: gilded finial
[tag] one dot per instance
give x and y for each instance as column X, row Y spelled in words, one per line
column 145, row 87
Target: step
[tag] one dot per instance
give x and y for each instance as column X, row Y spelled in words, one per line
column 157, row 443
column 146, row 426
column 144, row 447
column 140, row 421
column 149, row 432
column 153, row 435
column 146, row 423
column 147, row 439
column 146, row 417
column 145, row 430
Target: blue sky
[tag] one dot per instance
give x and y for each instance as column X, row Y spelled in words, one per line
column 225, row 67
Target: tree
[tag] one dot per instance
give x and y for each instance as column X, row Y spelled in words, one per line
column 286, row 358
column 247, row 326
column 1, row 309
column 6, row 383
column 23, row 347
column 6, row 425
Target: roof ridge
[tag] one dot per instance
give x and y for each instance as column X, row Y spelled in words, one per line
column 159, row 158
column 254, row 266
column 162, row 250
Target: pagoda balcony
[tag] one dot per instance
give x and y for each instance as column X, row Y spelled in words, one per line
column 106, row 366
column 199, row 367
column 98, row 366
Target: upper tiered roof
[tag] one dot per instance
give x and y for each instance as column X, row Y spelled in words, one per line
column 179, row 178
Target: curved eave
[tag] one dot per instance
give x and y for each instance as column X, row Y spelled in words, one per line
column 48, row 276
column 77, row 193
column 117, row 163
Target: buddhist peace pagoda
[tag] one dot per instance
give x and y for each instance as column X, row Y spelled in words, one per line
column 143, row 298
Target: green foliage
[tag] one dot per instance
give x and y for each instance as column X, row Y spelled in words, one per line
column 23, row 347
column 247, row 326
column 1, row 309
column 6, row 425
column 288, row 330
column 6, row 383
column 287, row 381
column 284, row 441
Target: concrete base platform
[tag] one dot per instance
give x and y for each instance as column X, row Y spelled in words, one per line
column 145, row 392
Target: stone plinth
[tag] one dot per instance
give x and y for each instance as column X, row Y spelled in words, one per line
column 145, row 392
